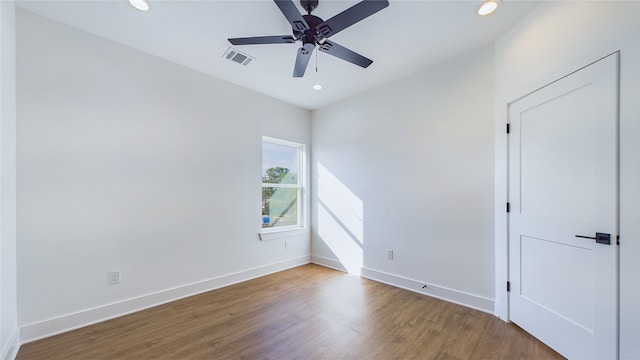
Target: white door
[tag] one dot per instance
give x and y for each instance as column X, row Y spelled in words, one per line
column 563, row 179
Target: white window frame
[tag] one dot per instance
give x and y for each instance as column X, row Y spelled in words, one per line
column 301, row 223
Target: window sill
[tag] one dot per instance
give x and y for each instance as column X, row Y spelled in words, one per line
column 278, row 234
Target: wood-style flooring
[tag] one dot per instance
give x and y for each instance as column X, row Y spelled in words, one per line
column 309, row 312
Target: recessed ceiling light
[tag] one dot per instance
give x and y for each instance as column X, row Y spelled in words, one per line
column 317, row 87
column 141, row 5
column 488, row 7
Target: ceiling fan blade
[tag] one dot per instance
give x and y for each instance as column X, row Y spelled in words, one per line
column 350, row 16
column 279, row 39
column 290, row 11
column 343, row 53
column 302, row 59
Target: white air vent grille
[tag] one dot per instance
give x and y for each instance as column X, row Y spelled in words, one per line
column 238, row 57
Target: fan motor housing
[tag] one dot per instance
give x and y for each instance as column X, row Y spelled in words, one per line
column 310, row 36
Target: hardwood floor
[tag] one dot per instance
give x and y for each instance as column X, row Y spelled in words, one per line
column 309, row 312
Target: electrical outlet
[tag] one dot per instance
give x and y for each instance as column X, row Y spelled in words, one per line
column 113, row 277
column 389, row 254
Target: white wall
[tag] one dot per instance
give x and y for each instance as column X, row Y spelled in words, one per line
column 128, row 162
column 408, row 166
column 8, row 287
column 553, row 40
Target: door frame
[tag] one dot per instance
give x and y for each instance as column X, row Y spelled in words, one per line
column 501, row 189
column 629, row 252
column 606, row 327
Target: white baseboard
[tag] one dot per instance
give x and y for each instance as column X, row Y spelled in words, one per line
column 439, row 292
column 39, row 330
column 10, row 351
column 328, row 262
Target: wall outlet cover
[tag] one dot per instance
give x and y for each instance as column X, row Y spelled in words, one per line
column 113, row 277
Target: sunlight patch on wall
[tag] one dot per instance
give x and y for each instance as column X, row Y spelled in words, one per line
column 340, row 220
column 343, row 203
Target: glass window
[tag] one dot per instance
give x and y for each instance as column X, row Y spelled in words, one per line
column 281, row 184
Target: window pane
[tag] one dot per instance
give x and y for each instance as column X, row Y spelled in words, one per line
column 279, row 207
column 280, row 164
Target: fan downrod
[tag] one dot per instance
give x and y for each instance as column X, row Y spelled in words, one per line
column 309, row 5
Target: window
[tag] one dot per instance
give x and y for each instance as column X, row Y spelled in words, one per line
column 282, row 172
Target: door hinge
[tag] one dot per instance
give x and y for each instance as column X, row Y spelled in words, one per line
column 508, row 286
column 508, row 207
column 617, row 239
column 508, row 128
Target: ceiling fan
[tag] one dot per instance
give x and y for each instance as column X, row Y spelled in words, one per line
column 312, row 30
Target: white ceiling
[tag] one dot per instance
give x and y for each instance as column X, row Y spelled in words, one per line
column 403, row 38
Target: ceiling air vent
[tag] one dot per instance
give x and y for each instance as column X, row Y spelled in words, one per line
column 238, row 57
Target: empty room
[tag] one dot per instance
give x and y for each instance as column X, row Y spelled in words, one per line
column 331, row 179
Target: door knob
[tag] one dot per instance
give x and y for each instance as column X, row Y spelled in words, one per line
column 600, row 238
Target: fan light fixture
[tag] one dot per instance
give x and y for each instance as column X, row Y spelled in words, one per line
column 488, row 7
column 141, row 5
